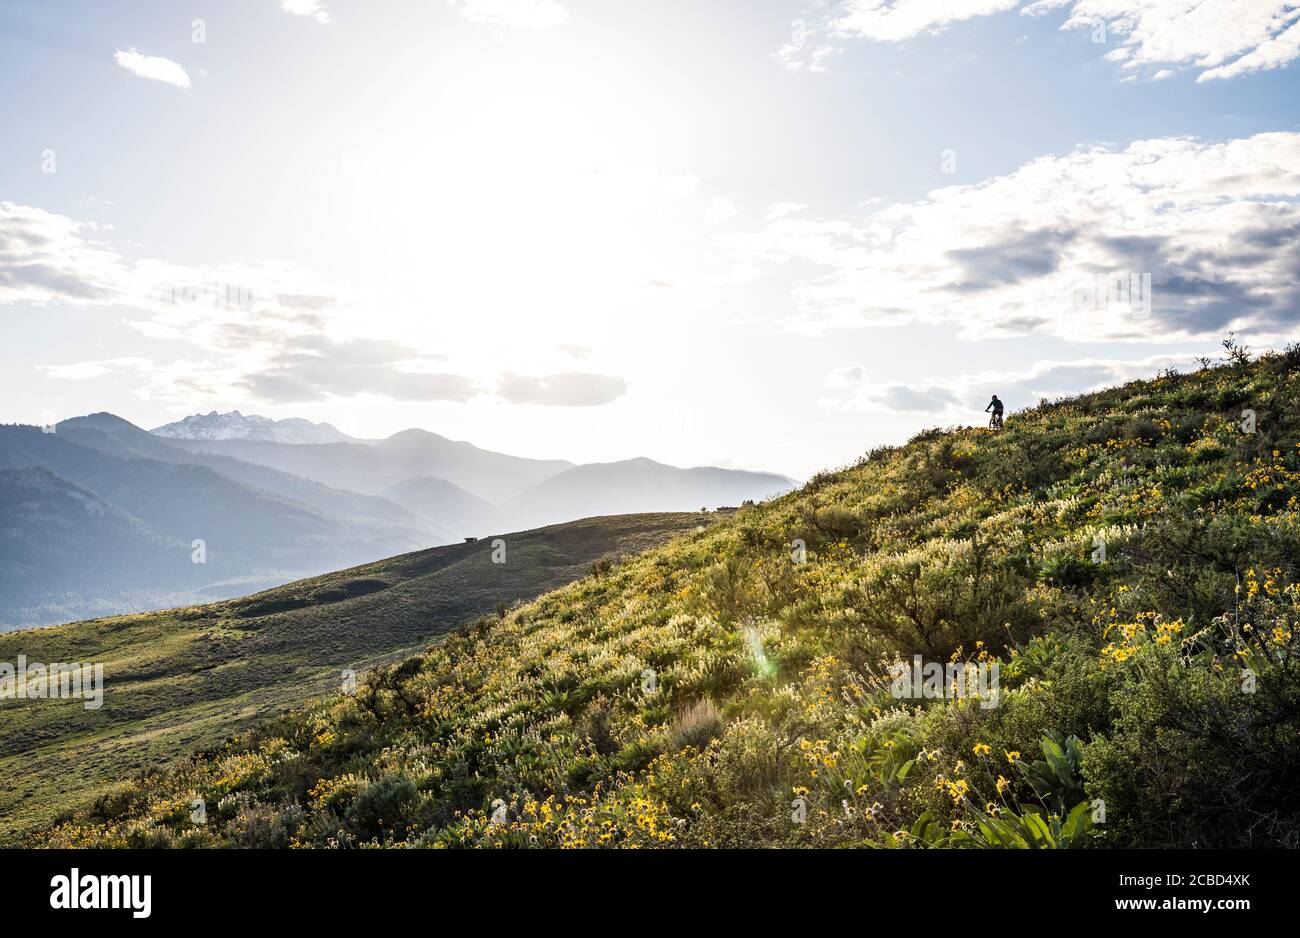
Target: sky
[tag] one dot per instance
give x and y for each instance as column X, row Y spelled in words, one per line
column 749, row 233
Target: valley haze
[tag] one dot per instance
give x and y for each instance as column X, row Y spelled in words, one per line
column 104, row 518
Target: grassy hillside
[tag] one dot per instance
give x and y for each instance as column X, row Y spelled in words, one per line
column 709, row 690
column 190, row 677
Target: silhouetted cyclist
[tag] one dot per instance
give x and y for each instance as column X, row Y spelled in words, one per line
column 995, row 405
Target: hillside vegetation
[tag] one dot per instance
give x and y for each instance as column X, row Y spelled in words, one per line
column 1126, row 558
column 190, row 677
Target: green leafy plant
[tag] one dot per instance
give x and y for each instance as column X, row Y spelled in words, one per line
column 1056, row 778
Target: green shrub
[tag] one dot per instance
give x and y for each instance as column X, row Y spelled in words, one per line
column 264, row 827
column 1068, row 572
column 382, row 808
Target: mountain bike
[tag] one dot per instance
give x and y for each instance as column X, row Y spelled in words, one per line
column 995, row 422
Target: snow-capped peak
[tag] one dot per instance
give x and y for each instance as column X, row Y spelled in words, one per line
column 236, row 426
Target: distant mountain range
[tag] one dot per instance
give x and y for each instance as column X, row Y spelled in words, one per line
column 100, row 517
column 613, row 488
column 236, row 426
column 374, row 467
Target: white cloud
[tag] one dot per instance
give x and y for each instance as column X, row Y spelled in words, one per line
column 801, row 54
column 1274, row 52
column 805, row 58
column 315, row 367
column 313, row 8
column 1225, row 37
column 49, row 258
column 272, row 332
column 84, row 371
column 779, row 210
column 154, row 67
column 1152, row 38
column 855, row 376
column 571, row 389
column 956, row 398
column 896, row 20
column 854, row 391
column 721, row 210
column 523, row 14
column 1216, row 225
